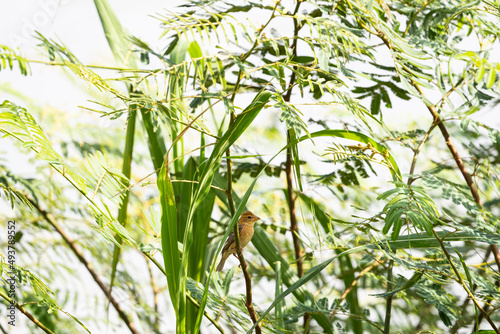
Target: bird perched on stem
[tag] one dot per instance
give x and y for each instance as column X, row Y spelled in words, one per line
column 245, row 229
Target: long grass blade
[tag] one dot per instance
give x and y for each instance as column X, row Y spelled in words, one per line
column 171, row 255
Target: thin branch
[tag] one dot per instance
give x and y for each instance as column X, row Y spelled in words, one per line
column 249, row 52
column 461, row 281
column 451, row 147
column 155, row 171
column 26, row 313
column 460, row 164
column 190, row 124
column 155, row 291
column 417, row 151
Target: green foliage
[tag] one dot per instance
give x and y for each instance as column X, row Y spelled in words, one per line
column 382, row 107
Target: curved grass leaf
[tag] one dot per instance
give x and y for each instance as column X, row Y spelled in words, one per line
column 357, row 136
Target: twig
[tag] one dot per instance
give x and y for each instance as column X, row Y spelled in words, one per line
column 417, row 151
column 458, row 160
column 249, row 52
column 26, row 313
column 155, row 291
column 189, row 126
column 460, row 165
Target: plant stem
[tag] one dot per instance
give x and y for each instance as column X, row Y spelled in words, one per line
column 126, row 171
column 239, row 252
column 458, row 160
column 460, row 165
column 289, row 163
column 417, row 151
column 249, row 52
column 388, row 304
column 26, row 313
column 155, row 291
column 452, row 149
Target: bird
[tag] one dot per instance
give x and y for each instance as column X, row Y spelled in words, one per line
column 245, row 230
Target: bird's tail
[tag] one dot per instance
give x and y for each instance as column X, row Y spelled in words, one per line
column 220, row 266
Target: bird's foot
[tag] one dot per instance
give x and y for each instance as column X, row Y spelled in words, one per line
column 246, row 265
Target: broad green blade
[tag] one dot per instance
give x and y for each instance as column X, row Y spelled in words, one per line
column 126, row 170
column 156, row 142
column 116, row 38
column 170, row 248
column 113, row 30
column 278, row 290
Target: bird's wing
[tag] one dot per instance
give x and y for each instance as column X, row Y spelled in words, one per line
column 230, row 239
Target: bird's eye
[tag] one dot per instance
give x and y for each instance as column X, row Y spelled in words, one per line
column 249, row 217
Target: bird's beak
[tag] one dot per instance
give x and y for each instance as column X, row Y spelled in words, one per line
column 257, row 218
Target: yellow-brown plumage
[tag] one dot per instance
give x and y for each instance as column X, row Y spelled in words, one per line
column 245, row 229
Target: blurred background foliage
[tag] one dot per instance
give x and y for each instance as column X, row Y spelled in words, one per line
column 363, row 133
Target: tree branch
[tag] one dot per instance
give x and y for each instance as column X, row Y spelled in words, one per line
column 27, row 314
column 88, row 266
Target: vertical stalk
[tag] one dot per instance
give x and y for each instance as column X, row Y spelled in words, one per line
column 289, row 164
column 388, row 304
column 243, row 265
column 126, row 171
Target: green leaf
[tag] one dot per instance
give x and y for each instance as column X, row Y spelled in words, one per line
column 480, row 73
column 171, row 256
column 113, row 30
column 491, row 77
column 357, row 136
column 323, row 60
column 417, row 275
